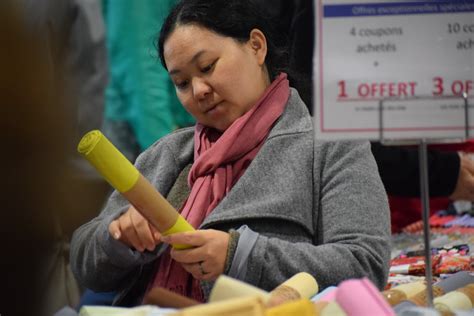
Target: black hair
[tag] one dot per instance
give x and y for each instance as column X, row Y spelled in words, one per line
column 231, row 18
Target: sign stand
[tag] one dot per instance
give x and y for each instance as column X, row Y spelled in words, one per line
column 422, row 144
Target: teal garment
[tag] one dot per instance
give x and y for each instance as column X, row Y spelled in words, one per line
column 140, row 91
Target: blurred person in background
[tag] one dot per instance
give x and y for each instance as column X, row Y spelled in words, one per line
column 141, row 104
column 70, row 36
column 38, row 139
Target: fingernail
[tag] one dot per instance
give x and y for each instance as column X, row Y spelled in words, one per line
column 117, row 235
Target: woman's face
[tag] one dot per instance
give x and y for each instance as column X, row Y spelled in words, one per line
column 217, row 79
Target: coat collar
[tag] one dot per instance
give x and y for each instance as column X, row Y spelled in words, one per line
column 295, row 118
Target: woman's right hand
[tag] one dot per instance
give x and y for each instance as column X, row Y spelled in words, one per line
column 465, row 185
column 134, row 230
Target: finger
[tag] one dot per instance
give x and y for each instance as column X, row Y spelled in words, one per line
column 156, row 234
column 193, row 255
column 129, row 231
column 194, row 269
column 197, row 273
column 194, row 238
column 142, row 228
column 206, row 272
column 114, row 230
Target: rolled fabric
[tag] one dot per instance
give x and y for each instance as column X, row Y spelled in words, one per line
column 301, row 285
column 127, row 180
column 454, row 282
column 323, row 308
column 240, row 306
column 226, row 288
column 403, row 292
column 458, row 280
column 361, row 297
column 319, row 307
column 461, row 299
column 301, row 307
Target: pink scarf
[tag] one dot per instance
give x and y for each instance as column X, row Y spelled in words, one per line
column 219, row 161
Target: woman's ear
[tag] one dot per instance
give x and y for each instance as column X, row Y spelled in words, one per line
column 258, row 44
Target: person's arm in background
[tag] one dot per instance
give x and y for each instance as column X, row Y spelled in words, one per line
column 464, row 189
column 449, row 174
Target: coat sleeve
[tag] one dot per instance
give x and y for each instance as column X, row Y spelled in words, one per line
column 102, row 263
column 352, row 220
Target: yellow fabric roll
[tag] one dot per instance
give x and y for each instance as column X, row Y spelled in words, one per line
column 108, row 161
column 452, row 301
column 302, row 307
column 240, row 306
column 304, row 283
column 180, row 226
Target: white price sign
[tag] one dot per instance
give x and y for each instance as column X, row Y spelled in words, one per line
column 416, row 56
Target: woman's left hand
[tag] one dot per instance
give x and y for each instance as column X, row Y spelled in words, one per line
column 206, row 261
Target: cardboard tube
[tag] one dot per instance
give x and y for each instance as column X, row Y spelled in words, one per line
column 127, row 180
column 301, row 285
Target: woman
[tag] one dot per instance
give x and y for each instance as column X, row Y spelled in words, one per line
column 269, row 200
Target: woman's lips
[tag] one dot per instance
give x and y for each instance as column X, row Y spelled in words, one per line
column 212, row 108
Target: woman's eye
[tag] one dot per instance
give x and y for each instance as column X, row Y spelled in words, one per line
column 207, row 68
column 181, row 84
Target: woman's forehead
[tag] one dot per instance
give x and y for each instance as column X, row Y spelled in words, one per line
column 187, row 40
column 191, row 32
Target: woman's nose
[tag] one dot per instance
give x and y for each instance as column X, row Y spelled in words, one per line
column 201, row 89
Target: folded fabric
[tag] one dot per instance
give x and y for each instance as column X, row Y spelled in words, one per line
column 465, row 221
column 412, row 265
column 453, row 264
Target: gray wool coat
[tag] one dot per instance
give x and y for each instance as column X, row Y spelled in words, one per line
column 318, row 207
